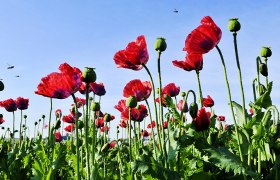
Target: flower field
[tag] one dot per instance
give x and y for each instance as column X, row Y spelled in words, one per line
column 163, row 132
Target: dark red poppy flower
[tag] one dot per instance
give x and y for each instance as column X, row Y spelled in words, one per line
column 98, row 88
column 68, row 119
column 183, row 106
column 58, row 113
column 202, row 121
column 9, row 104
column 171, row 89
column 145, row 133
column 80, row 102
column 58, row 137
column 208, row 102
column 151, row 125
column 72, row 112
column 99, row 122
column 192, row 62
column 22, row 103
column 162, row 100
column 60, row 85
column 141, row 90
column 108, row 117
column 121, row 106
column 134, row 56
column 1, row 119
column 70, row 128
column 204, row 38
column 123, row 124
column 251, row 112
column 113, row 144
column 221, row 118
column 105, row 129
column 137, row 114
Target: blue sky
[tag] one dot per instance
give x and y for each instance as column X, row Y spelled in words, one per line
column 37, row 36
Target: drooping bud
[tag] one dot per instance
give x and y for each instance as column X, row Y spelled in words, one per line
column 160, row 44
column 57, row 124
column 1, row 86
column 131, row 102
column 265, row 52
column 263, row 69
column 80, row 124
column 95, row 106
column 234, row 25
column 262, row 89
column 89, row 75
column 193, row 109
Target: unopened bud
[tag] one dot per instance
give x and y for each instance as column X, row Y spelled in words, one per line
column 183, row 94
column 89, row 75
column 234, row 25
column 95, row 106
column 1, row 86
column 193, row 108
column 265, row 52
column 131, row 102
column 263, row 69
column 57, row 124
column 160, row 44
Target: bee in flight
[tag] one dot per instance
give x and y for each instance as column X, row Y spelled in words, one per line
column 175, row 11
column 10, row 67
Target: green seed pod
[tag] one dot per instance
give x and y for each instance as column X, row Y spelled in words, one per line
column 193, row 108
column 89, row 75
column 105, row 148
column 263, row 69
column 160, row 44
column 265, row 52
column 57, row 124
column 1, row 86
column 234, row 25
column 131, row 102
column 183, row 94
column 95, row 106
column 157, row 90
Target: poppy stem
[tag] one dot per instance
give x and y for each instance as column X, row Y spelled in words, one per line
column 20, row 133
column 86, row 130
column 254, row 89
column 155, row 107
column 199, row 89
column 266, row 78
column 50, row 118
column 258, row 60
column 77, row 138
column 230, row 103
column 129, row 140
column 240, row 77
column 14, row 127
column 151, row 121
column 161, row 110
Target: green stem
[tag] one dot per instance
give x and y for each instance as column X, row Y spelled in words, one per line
column 161, row 110
column 254, row 89
column 20, row 133
column 14, row 127
column 240, row 76
column 77, row 138
column 93, row 140
column 230, row 103
column 199, row 89
column 50, row 118
column 151, row 121
column 266, row 78
column 129, row 141
column 258, row 60
column 259, row 161
column 155, row 107
column 86, row 130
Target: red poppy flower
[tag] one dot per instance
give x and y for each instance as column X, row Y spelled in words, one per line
column 81, row 102
column 72, row 112
column 105, row 129
column 152, row 125
column 208, row 102
column 121, row 106
column 221, row 118
column 58, row 137
column 145, row 133
column 22, row 103
column 58, row 113
column 99, row 122
column 68, row 119
column 122, row 124
column 98, row 89
column 182, row 106
column 141, row 90
column 70, row 128
column 204, row 38
column 1, row 119
column 165, row 125
column 113, row 144
column 171, row 90
column 108, row 117
column 9, row 104
column 192, row 62
column 202, row 121
column 162, row 100
column 60, row 85
column 135, row 54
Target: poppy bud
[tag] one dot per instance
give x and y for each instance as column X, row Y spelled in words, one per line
column 160, row 44
column 234, row 25
column 43, row 116
column 89, row 75
column 80, row 124
column 157, row 90
column 57, row 124
column 183, row 94
column 262, row 89
column 193, row 109
column 80, row 143
column 40, row 120
column 36, row 123
column 1, row 86
column 265, row 52
column 95, row 106
column 105, row 148
column 107, row 118
column 263, row 69
column 3, row 127
column 1, row 116
column 131, row 102
column 25, row 116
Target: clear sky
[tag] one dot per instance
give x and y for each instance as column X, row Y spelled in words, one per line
column 37, row 36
